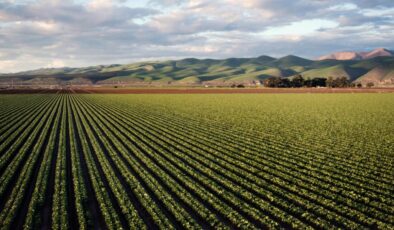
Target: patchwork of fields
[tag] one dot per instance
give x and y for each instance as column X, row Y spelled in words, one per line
column 197, row 161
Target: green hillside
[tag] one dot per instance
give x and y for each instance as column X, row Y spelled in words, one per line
column 290, row 61
column 334, row 71
column 209, row 71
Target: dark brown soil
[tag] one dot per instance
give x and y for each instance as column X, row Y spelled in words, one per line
column 197, row 90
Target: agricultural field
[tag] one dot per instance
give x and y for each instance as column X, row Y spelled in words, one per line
column 197, row 161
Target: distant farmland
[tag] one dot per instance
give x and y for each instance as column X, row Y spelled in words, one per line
column 247, row 161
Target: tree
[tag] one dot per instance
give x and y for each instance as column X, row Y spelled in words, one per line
column 277, row 82
column 341, row 82
column 272, row 82
column 309, row 82
column 329, row 82
column 370, row 84
column 284, row 83
column 319, row 82
column 297, row 81
column 359, row 85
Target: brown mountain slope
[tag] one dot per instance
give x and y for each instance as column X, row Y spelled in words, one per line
column 380, row 52
column 378, row 75
column 351, row 55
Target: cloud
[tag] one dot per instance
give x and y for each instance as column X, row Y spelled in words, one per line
column 45, row 33
column 166, row 2
column 56, row 64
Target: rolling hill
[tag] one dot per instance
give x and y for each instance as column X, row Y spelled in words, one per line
column 192, row 71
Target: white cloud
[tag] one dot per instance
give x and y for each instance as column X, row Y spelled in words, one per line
column 343, row 7
column 56, row 63
column 101, row 4
column 301, row 28
column 47, row 26
column 8, row 64
column 43, row 33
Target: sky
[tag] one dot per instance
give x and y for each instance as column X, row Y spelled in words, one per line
column 58, row 33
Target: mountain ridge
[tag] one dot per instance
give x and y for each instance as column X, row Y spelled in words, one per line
column 193, row 71
column 353, row 55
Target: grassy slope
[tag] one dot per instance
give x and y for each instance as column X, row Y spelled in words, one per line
column 380, row 70
column 193, row 70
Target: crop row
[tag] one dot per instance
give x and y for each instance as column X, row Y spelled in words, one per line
column 169, row 162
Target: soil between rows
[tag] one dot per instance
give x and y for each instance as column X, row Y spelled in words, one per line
column 195, row 90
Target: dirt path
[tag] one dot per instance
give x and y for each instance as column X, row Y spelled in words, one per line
column 199, row 90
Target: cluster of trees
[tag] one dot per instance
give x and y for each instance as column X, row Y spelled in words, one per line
column 340, row 82
column 237, row 86
column 298, row 82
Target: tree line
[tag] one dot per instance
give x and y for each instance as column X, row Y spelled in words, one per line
column 299, row 82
